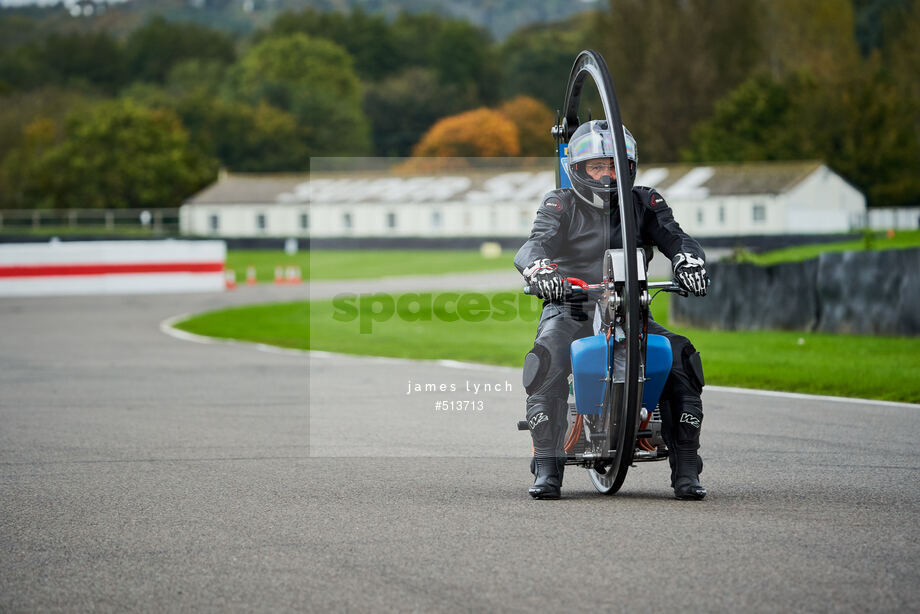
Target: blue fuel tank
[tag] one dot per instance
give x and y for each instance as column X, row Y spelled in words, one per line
column 590, row 356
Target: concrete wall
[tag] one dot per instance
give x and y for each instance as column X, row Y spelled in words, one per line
column 870, row 293
column 111, row 267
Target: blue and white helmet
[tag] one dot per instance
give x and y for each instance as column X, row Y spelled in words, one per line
column 590, row 141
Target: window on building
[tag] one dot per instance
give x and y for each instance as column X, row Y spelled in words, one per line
column 435, row 219
column 214, row 222
column 721, row 214
column 261, row 221
column 304, row 221
column 391, row 220
column 759, row 213
column 699, row 215
column 346, row 221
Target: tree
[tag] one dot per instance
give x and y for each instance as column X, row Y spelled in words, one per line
column 537, row 60
column 118, row 154
column 23, row 68
column 368, row 38
column 672, row 59
column 94, row 59
column 36, row 138
column 314, row 80
column 461, row 55
column 151, row 51
column 862, row 127
column 478, row 133
column 245, row 138
column 402, row 107
column 196, row 75
column 756, row 121
column 533, row 121
column 816, row 36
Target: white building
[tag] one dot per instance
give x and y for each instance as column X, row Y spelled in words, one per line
column 708, row 201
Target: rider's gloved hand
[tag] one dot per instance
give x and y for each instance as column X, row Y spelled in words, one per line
column 545, row 280
column 690, row 273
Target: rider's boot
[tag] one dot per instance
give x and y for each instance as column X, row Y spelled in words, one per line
column 548, row 471
column 685, row 472
column 548, row 462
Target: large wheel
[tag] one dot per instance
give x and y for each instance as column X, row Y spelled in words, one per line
column 623, row 407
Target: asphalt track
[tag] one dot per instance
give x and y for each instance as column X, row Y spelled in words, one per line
column 140, row 472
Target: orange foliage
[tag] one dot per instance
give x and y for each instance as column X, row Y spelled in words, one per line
column 478, row 133
column 533, row 120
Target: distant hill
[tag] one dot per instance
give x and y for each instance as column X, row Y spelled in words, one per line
column 241, row 17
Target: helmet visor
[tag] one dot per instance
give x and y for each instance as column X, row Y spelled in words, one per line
column 598, row 144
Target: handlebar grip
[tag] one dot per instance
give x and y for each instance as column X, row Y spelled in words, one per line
column 570, row 290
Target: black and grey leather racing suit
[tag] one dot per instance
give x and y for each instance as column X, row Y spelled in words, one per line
column 574, row 235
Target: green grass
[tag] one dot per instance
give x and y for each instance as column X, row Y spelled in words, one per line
column 876, row 241
column 360, row 264
column 845, row 365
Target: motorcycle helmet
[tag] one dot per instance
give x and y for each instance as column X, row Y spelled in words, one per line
column 590, row 141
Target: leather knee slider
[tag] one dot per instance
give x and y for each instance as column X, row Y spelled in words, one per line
column 536, row 364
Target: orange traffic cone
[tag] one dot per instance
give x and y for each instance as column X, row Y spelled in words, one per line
column 229, row 279
column 251, row 275
column 279, row 274
column 292, row 275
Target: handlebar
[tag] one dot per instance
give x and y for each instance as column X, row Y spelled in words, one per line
column 578, row 287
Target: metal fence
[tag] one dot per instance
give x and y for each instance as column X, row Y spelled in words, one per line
column 155, row 222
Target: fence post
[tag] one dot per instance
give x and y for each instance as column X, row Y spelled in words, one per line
column 1, row 220
column 72, row 217
column 157, row 222
column 36, row 219
column 109, row 220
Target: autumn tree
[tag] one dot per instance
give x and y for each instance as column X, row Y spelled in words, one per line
column 477, row 133
column 533, row 121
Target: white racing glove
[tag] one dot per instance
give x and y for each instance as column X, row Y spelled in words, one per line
column 545, row 280
column 690, row 273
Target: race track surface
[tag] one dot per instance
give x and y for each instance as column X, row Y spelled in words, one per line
column 143, row 472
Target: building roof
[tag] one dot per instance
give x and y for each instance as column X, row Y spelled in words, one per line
column 675, row 181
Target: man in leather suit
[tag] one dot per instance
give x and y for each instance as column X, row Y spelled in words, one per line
column 573, row 228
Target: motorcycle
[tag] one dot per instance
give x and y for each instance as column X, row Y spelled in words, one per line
column 618, row 373
column 605, row 434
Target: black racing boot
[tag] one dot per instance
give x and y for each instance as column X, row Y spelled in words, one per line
column 548, row 462
column 685, row 472
column 548, row 471
column 672, row 460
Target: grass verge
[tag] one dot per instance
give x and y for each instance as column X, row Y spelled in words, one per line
column 844, row 365
column 902, row 239
column 362, row 264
